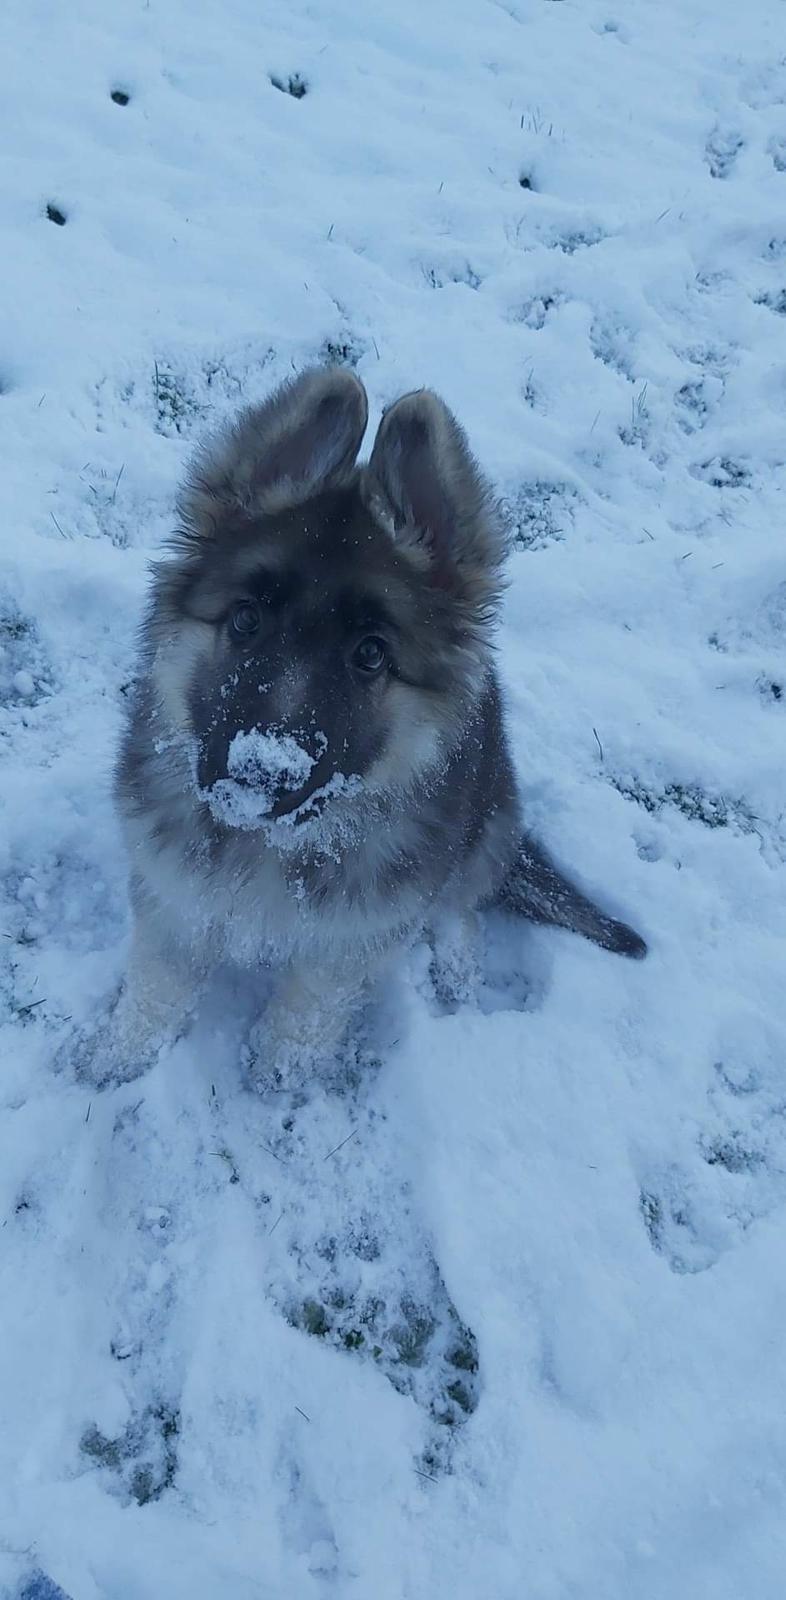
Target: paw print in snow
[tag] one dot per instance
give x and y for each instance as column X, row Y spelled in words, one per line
column 721, row 152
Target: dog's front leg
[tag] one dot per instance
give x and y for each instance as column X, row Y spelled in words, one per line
column 157, row 996
column 305, row 1022
column 148, row 1012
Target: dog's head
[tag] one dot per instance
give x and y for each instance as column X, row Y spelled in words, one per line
column 325, row 627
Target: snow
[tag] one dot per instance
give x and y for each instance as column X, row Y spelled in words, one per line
column 259, row 766
column 569, row 219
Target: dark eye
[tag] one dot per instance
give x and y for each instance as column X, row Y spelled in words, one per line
column 370, row 655
column 244, row 619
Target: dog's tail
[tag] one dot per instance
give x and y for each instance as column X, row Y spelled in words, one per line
column 535, row 889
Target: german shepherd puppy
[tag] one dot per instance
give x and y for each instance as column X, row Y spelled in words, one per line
column 316, row 764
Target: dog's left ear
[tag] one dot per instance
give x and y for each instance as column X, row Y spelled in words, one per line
column 437, row 497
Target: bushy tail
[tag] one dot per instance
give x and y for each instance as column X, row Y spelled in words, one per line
column 536, row 890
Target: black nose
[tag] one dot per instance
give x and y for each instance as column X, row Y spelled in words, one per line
column 281, row 780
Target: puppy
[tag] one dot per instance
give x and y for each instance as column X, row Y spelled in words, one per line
column 316, row 765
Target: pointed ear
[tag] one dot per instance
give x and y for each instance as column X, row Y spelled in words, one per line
column 303, row 439
column 437, row 498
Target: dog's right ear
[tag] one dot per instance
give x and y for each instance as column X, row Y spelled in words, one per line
column 303, row 439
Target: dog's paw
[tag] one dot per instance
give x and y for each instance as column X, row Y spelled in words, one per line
column 97, row 1056
column 276, row 1065
column 454, row 971
column 116, row 1048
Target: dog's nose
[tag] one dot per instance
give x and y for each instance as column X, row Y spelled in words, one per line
column 270, row 759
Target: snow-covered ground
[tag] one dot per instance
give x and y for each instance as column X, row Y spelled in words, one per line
column 501, row 1313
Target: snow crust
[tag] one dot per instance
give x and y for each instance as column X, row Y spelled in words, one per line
column 259, row 766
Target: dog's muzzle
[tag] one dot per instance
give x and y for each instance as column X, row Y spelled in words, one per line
column 269, row 775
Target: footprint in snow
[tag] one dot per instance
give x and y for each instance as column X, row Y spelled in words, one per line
column 307, row 1526
column 39, row 1587
column 535, row 311
column 540, row 513
column 694, row 1214
column 141, row 1462
column 139, row 1272
column 316, row 1181
column 774, row 300
column 612, row 343
column 293, row 84
column 721, row 151
column 349, row 1263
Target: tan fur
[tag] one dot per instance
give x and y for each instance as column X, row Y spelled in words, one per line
column 173, row 667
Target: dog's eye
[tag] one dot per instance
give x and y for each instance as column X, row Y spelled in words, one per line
column 244, row 619
column 370, row 655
